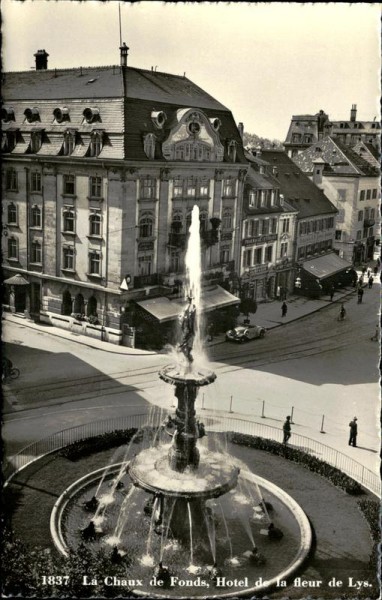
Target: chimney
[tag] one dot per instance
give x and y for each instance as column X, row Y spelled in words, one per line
column 353, row 112
column 41, row 60
column 241, row 130
column 124, row 53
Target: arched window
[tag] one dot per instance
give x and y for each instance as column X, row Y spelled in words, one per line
column 79, row 304
column 149, row 145
column 95, row 143
column 36, row 252
column 92, row 307
column 69, row 142
column 227, row 220
column 66, row 306
column 12, row 214
column 146, row 225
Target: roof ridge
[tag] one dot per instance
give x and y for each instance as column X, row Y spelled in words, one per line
column 97, row 67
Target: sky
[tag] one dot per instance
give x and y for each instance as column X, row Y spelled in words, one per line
column 264, row 61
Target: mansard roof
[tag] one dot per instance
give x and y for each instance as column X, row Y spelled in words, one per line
column 105, row 82
column 298, row 190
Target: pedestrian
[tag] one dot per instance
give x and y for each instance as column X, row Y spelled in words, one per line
column 371, row 280
column 332, row 290
column 353, row 432
column 287, row 430
column 360, row 295
column 360, row 281
column 369, row 272
column 378, row 263
column 284, row 309
column 342, row 314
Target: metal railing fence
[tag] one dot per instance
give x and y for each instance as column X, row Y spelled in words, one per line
column 212, row 422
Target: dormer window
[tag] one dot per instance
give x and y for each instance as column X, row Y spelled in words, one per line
column 32, row 115
column 262, row 170
column 91, row 115
column 10, row 140
column 159, row 118
column 215, row 123
column 95, row 143
column 69, row 142
column 232, row 150
column 252, row 198
column 149, row 145
column 61, row 114
column 36, row 141
column 7, row 114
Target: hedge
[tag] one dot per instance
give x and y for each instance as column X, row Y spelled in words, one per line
column 312, row 463
column 104, row 441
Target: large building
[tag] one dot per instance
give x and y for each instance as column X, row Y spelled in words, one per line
column 353, row 185
column 305, row 130
column 317, row 267
column 268, row 233
column 101, row 169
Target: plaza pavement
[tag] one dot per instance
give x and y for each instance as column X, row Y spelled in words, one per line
column 267, row 315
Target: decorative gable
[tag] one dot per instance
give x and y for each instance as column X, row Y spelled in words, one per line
column 193, row 138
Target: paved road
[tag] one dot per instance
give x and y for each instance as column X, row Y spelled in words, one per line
column 317, row 365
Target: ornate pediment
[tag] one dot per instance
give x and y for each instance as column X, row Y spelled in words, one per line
column 193, row 138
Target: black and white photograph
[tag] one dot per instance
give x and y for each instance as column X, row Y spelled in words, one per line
column 191, row 274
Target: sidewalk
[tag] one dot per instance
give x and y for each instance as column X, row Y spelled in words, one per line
column 268, row 315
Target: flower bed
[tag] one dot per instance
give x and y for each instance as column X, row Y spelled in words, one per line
column 312, row 463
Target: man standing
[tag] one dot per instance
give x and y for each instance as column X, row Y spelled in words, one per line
column 353, row 432
column 287, row 430
column 332, row 290
column 360, row 295
column 371, row 280
column 284, row 309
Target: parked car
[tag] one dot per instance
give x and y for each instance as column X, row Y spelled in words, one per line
column 244, row 333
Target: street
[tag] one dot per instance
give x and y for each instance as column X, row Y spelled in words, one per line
column 326, row 370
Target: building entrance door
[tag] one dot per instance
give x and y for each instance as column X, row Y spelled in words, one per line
column 20, row 298
column 35, row 297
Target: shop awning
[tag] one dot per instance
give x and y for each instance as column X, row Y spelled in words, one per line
column 325, row 266
column 16, row 280
column 164, row 309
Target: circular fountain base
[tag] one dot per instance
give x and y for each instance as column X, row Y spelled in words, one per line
column 214, row 477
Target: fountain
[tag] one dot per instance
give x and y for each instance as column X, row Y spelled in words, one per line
column 199, row 509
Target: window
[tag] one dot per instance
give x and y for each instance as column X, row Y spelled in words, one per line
column 145, row 264
column 362, row 195
column 285, row 225
column 247, row 258
column 178, row 188
column 252, row 198
column 360, row 215
column 35, row 216
column 204, row 188
column 95, row 187
column 69, row 220
column 296, row 137
column 257, row 256
column 301, row 252
column 226, row 220
column 307, row 139
column 264, row 226
column 11, row 180
column 146, row 225
column 36, row 141
column 269, row 253
column 95, row 143
column 10, row 140
column 338, row 234
column 35, row 181
column 314, row 223
column 341, row 215
column 174, row 261
column 12, row 214
column 274, row 225
column 68, row 259
column 309, row 250
column 69, row 185
column 191, row 188
column 374, row 194
column 372, row 213
column 283, row 249
column 69, row 142
column 149, row 145
column 232, row 150
column 94, row 263
column 79, row 304
column 95, row 223
column 368, row 194
column 229, row 188
column 12, row 249
column 224, row 255
column 36, row 252
column 148, row 187
column 255, row 228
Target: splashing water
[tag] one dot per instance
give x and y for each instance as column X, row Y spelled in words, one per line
column 147, row 560
column 122, row 517
column 191, row 541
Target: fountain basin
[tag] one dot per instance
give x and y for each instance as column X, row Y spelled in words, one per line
column 187, row 375
column 215, row 476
